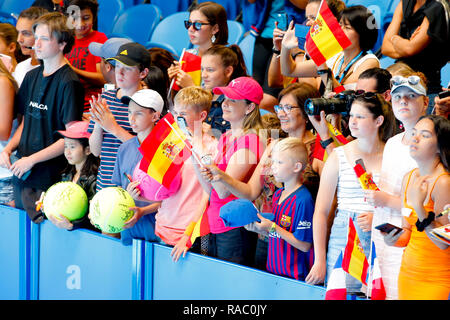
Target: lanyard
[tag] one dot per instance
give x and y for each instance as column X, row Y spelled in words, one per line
column 348, row 66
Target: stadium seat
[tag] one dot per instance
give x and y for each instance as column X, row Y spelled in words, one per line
column 108, row 12
column 235, row 31
column 165, row 46
column 445, row 75
column 169, row 7
column 138, row 22
column 15, row 7
column 247, row 46
column 232, row 7
column 171, row 32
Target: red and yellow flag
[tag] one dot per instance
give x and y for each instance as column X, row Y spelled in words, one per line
column 354, row 261
column 365, row 180
column 164, row 151
column 191, row 64
column 197, row 229
column 338, row 138
column 325, row 37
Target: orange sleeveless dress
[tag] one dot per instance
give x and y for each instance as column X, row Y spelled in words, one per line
column 425, row 269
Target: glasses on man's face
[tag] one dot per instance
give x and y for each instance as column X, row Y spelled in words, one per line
column 197, row 25
column 285, row 107
column 365, row 94
column 398, row 80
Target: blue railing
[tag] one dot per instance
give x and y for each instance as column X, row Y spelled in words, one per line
column 41, row 262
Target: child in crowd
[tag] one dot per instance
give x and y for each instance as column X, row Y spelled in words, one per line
column 82, row 169
column 180, row 203
column 105, row 51
column 290, row 234
column 144, row 110
column 25, row 39
column 85, row 64
column 109, row 122
column 49, row 98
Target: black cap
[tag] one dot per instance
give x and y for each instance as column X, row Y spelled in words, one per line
column 132, row 54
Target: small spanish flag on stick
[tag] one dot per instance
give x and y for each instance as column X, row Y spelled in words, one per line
column 325, row 37
column 191, row 64
column 164, row 151
column 354, row 261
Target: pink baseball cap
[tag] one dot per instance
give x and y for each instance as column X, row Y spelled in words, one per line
column 76, row 130
column 242, row 88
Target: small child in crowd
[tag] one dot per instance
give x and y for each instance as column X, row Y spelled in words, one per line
column 290, row 234
column 144, row 110
column 82, row 169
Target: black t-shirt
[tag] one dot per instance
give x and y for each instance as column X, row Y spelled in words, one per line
column 431, row 59
column 47, row 104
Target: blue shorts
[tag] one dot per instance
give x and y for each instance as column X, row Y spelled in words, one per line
column 144, row 229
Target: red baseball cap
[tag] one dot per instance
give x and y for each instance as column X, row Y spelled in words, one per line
column 76, row 130
column 242, row 88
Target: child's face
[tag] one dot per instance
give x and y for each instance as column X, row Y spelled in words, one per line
column 424, row 141
column 214, row 74
column 25, row 36
column 407, row 105
column 283, row 166
column 126, row 76
column 74, row 151
column 46, row 46
column 362, row 122
column 141, row 119
column 193, row 118
column 84, row 24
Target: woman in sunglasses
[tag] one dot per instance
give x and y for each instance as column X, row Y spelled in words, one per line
column 425, row 267
column 372, row 124
column 344, row 68
column 409, row 103
column 207, row 25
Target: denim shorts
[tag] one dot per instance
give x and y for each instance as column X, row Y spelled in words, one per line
column 6, row 190
column 338, row 240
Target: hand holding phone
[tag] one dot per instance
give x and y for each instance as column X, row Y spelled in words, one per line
column 387, row 228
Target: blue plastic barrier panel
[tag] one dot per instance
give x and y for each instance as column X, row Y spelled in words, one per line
column 12, row 251
column 82, row 264
column 198, row 277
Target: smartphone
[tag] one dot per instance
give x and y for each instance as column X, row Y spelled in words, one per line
column 387, row 227
column 361, row 163
column 282, row 20
column 109, row 86
column 181, row 121
column 444, row 94
column 13, row 158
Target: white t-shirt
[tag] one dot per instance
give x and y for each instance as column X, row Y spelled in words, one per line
column 21, row 70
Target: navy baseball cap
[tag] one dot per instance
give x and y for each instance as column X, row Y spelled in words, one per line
column 132, row 54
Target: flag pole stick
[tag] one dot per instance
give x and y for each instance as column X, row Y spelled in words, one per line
column 196, row 156
column 174, row 78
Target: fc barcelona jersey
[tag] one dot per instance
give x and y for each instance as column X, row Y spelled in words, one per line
column 294, row 214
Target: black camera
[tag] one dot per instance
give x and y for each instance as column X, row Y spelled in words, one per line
column 340, row 103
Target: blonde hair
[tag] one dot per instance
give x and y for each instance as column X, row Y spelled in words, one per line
column 292, row 148
column 398, row 68
column 252, row 120
column 6, row 73
column 195, row 97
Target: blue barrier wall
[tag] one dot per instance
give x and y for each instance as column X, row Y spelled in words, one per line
column 44, row 262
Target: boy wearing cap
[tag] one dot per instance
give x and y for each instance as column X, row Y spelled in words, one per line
column 105, row 51
column 109, row 115
column 85, row 64
column 144, row 109
column 50, row 97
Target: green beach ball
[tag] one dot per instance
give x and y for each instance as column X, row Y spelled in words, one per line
column 66, row 198
column 109, row 209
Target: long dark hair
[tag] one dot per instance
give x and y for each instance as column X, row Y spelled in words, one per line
column 90, row 166
column 230, row 56
column 216, row 14
column 442, row 131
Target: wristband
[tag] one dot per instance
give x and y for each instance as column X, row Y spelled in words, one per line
column 421, row 225
column 324, row 71
column 324, row 143
column 274, row 50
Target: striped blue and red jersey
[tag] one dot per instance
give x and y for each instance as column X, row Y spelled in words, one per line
column 293, row 214
column 111, row 144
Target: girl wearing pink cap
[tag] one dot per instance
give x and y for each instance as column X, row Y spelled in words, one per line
column 239, row 151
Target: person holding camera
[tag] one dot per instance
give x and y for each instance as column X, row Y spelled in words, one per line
column 409, row 103
column 372, row 124
column 425, row 264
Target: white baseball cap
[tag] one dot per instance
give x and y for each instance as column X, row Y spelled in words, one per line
column 146, row 98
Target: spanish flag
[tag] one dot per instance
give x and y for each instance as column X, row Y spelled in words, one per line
column 365, row 180
column 197, row 229
column 164, row 151
column 338, row 138
column 354, row 261
column 325, row 38
column 191, row 64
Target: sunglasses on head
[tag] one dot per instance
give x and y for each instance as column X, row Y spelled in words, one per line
column 196, row 25
column 398, row 80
